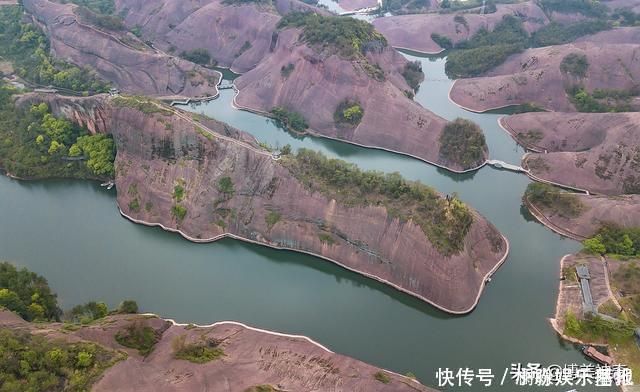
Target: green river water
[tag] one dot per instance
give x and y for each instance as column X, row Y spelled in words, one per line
column 71, row 232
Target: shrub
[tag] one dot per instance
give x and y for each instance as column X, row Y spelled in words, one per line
column 413, row 74
column 128, row 306
column 139, row 337
column 272, row 218
column 546, row 196
column 462, row 142
column 326, row 238
column 178, row 192
column 442, row 41
column 88, row 312
column 348, row 112
column 382, row 377
column 179, row 212
column 615, row 240
column 134, row 205
column 290, row 119
column 575, row 64
column 285, row 71
column 225, row 186
column 201, row 352
column 199, row 56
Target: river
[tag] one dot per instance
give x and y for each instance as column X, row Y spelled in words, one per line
column 71, row 232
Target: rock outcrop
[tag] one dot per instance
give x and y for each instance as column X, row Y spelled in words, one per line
column 414, row 31
column 250, row 358
column 597, row 152
column 119, row 57
column 320, row 80
column 207, row 180
column 597, row 210
column 535, row 76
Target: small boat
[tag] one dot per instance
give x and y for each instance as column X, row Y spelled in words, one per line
column 110, row 186
column 597, row 356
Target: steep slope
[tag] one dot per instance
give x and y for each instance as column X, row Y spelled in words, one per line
column 415, row 31
column 118, row 57
column 244, row 357
column 320, row 79
column 208, row 181
column 598, row 152
column 235, row 35
column 535, row 76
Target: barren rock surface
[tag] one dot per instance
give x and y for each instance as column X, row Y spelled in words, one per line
column 414, row 31
column 119, row 57
column 251, row 358
column 159, row 151
column 598, row 152
column 622, row 210
column 222, row 29
column 321, row 80
column 534, row 76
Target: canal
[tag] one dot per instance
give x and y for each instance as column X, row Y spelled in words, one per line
column 71, row 232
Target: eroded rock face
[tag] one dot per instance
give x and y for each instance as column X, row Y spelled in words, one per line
column 534, row 76
column 161, row 151
column 414, row 31
column 223, row 30
column 320, row 81
column 623, row 210
column 598, row 152
column 119, row 57
column 251, row 357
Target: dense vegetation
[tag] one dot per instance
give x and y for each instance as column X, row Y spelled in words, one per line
column 575, row 64
column 138, row 336
column 28, row 49
column 487, row 49
column 596, row 328
column 27, row 294
column 399, row 7
column 349, row 37
column 289, row 119
column 199, row 56
column 548, row 197
column 589, row 8
column 349, row 113
column 413, row 74
column 206, row 350
column 561, row 33
column 614, row 240
column 34, row 363
column 445, row 222
column 442, row 41
column 462, row 142
column 601, row 100
column 35, row 144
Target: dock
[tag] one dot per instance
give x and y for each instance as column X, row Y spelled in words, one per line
column 597, row 356
column 506, row 166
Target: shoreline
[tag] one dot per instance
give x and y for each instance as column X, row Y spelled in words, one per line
column 365, row 274
column 484, row 110
column 313, row 133
column 543, row 220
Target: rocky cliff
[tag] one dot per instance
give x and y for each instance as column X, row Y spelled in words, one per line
column 247, row 357
column 208, row 181
column 118, row 56
column 598, row 152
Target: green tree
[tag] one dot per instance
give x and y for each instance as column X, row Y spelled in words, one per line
column 594, row 245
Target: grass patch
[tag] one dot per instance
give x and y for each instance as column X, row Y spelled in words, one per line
column 201, row 352
column 139, row 337
column 179, row 212
column 382, row 377
column 326, row 238
column 142, row 104
column 272, row 218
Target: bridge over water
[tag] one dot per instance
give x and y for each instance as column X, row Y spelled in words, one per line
column 506, row 166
